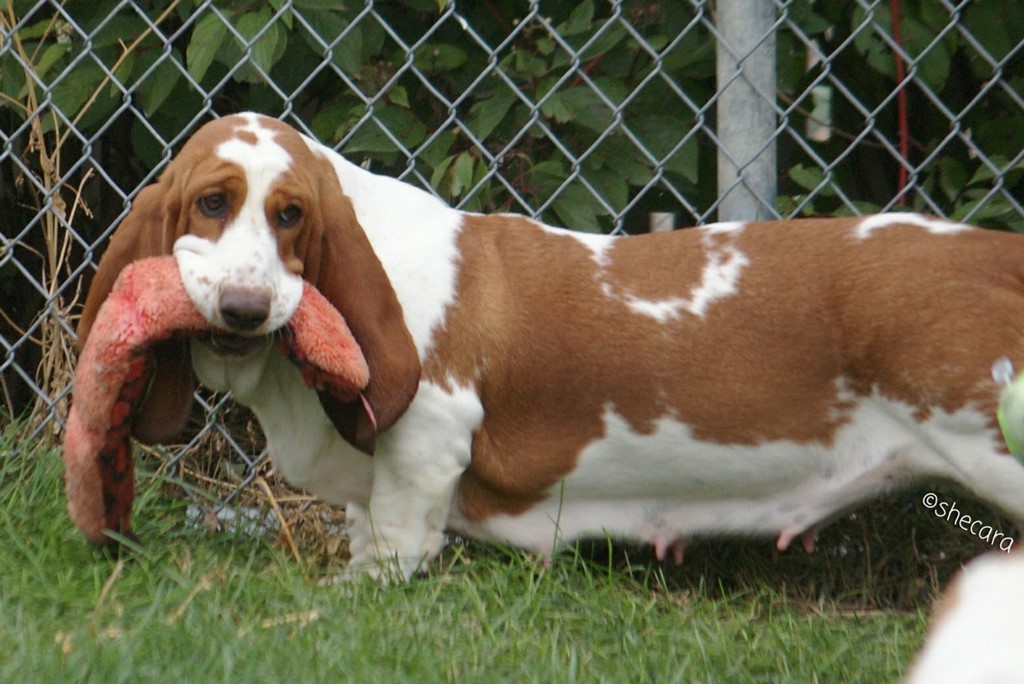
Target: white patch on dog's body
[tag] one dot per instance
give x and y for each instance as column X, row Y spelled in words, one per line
column 720, row 277
column 870, row 224
column 722, row 271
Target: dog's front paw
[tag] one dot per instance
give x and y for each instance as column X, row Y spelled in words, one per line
column 366, row 571
column 388, row 558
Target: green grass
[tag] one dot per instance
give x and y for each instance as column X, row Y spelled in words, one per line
column 202, row 607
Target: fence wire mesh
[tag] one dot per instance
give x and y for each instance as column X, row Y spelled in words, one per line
column 601, row 116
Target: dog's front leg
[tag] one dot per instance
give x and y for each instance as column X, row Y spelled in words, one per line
column 415, row 470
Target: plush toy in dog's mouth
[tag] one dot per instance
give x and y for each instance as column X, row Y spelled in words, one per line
column 148, row 304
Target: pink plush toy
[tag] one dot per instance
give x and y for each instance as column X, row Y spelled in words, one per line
column 147, row 304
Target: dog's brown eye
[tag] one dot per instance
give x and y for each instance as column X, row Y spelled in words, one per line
column 289, row 216
column 214, row 205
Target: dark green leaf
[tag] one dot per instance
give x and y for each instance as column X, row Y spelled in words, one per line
column 326, row 5
column 51, row 55
column 285, row 17
column 693, row 57
column 437, row 177
column 931, row 58
column 440, row 57
column 486, row 115
column 206, row 40
column 347, row 53
column 609, row 185
column 528, row 65
column 985, row 209
column 662, row 134
column 806, row 177
column 577, row 209
column 481, row 197
column 580, row 20
column 545, row 46
column 434, row 153
column 462, row 174
column 587, row 108
column 609, row 38
column 402, row 125
column 37, row 30
column 118, row 31
column 552, row 167
column 398, row 95
column 952, row 177
column 613, row 89
column 997, row 29
column 70, row 94
column 555, row 107
column 153, row 91
column 13, row 83
column 263, row 48
column 621, row 155
column 869, row 43
column 984, row 173
column 802, row 14
column 325, row 122
column 685, row 161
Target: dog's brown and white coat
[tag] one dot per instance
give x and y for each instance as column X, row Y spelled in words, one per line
column 533, row 385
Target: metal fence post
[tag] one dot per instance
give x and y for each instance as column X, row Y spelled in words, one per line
column 746, row 110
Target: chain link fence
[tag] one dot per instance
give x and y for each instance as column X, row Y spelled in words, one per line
column 601, row 116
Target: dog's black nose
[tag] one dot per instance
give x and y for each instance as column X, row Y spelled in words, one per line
column 243, row 308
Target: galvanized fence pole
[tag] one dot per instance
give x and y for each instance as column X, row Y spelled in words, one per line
column 746, row 110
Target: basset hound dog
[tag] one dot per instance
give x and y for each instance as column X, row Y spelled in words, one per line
column 532, row 385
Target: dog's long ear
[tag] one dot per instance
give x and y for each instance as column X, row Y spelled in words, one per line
column 341, row 263
column 148, row 230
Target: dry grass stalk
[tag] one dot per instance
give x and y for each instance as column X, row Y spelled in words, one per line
column 54, row 372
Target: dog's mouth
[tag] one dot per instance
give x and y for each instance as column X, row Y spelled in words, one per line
column 225, row 343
